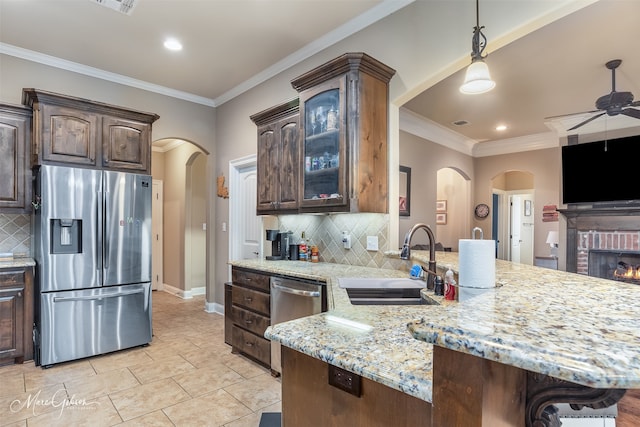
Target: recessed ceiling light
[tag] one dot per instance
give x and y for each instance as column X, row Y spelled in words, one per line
column 172, row 44
column 501, row 128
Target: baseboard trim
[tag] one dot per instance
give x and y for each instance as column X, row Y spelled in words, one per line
column 184, row 294
column 214, row 307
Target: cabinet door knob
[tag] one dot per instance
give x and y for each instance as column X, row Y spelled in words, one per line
column 19, row 294
column 248, row 299
column 248, row 322
column 248, row 344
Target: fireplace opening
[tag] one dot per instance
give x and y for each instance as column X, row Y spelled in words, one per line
column 623, row 266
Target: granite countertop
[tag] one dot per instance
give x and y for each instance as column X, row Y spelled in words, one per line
column 573, row 327
column 378, row 346
column 16, row 262
column 570, row 326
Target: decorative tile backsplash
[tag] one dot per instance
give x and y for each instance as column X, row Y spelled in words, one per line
column 326, row 232
column 15, row 234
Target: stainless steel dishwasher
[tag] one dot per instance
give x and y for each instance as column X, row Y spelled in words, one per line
column 291, row 299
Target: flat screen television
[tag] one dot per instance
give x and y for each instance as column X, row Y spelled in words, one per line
column 602, row 171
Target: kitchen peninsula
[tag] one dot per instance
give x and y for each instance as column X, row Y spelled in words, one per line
column 538, row 324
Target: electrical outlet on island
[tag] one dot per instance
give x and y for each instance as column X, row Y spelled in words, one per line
column 372, row 243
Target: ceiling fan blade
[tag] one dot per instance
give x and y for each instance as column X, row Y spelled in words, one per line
column 586, row 121
column 572, row 114
column 631, row 112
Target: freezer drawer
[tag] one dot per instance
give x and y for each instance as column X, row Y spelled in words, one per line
column 77, row 324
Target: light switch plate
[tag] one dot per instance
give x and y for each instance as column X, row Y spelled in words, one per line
column 372, row 243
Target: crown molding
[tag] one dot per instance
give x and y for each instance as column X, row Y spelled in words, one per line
column 422, row 127
column 537, row 141
column 97, row 73
column 166, row 145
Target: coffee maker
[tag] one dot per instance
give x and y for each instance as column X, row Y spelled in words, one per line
column 279, row 244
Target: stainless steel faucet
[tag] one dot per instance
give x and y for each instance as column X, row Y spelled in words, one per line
column 406, row 251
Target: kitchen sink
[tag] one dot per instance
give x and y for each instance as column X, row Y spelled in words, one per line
column 384, row 291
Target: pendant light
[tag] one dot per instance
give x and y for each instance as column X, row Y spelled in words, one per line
column 477, row 79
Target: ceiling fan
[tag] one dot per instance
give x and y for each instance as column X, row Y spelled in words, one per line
column 613, row 103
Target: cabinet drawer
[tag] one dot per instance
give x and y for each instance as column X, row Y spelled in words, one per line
column 253, row 300
column 249, row 320
column 251, row 279
column 10, row 278
column 251, row 344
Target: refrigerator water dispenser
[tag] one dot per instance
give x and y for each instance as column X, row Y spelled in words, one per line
column 66, row 236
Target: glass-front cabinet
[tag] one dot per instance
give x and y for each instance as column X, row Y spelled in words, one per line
column 343, row 120
column 323, row 180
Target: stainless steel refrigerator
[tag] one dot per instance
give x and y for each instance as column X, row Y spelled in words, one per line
column 92, row 246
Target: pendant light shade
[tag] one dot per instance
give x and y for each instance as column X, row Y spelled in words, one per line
column 477, row 79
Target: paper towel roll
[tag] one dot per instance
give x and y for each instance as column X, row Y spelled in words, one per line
column 465, row 293
column 477, row 263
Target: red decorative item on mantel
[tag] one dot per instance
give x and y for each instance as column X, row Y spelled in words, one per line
column 549, row 213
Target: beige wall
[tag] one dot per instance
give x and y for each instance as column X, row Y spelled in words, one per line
column 426, row 158
column 455, row 189
column 157, row 165
column 195, row 234
column 545, row 167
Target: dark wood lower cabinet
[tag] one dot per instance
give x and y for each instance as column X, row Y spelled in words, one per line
column 247, row 315
column 309, row 400
column 16, row 314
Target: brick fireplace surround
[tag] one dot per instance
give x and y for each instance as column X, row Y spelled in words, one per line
column 611, row 227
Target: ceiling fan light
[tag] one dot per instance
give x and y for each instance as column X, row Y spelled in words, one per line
column 477, row 79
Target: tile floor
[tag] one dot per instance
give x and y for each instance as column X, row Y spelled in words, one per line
column 186, row 377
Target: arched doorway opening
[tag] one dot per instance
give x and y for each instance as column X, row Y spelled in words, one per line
column 182, row 167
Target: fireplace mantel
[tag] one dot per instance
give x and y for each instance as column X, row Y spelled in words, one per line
column 596, row 218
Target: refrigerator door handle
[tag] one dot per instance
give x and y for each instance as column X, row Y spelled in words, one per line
column 104, row 243
column 98, row 297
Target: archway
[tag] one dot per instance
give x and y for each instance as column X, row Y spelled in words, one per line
column 195, row 230
column 182, row 166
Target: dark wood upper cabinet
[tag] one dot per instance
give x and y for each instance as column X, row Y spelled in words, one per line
column 344, row 106
column 126, row 144
column 15, row 172
column 75, row 131
column 278, row 160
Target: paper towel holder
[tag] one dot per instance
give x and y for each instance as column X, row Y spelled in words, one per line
column 473, row 233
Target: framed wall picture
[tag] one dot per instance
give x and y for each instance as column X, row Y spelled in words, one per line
column 405, row 191
column 441, row 205
column 441, row 218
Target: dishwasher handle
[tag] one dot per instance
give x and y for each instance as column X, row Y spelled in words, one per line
column 295, row 291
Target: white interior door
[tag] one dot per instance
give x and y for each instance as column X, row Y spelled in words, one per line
column 521, row 228
column 156, row 231
column 250, row 225
column 245, row 226
column 526, row 231
column 516, row 229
